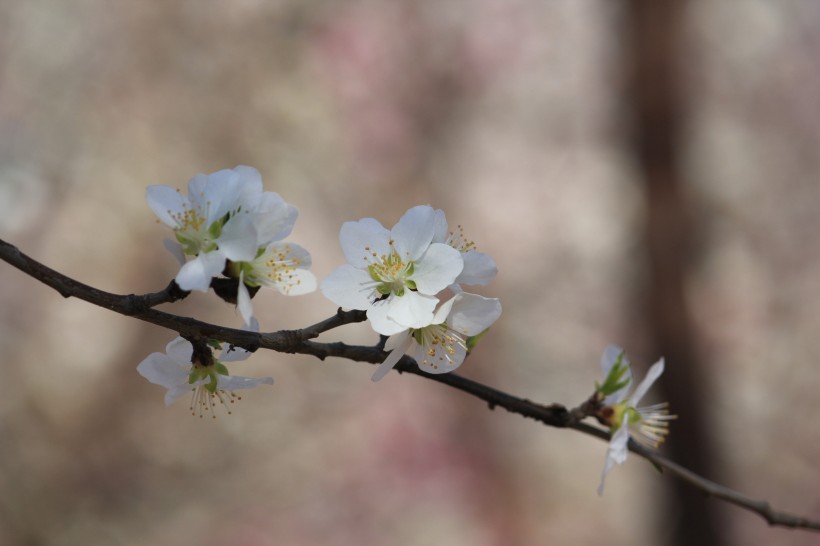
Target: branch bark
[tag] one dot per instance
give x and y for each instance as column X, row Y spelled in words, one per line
column 301, row 341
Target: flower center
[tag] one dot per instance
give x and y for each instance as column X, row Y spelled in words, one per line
column 391, row 273
column 440, row 342
column 206, row 394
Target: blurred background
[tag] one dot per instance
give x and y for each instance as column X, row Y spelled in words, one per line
column 643, row 173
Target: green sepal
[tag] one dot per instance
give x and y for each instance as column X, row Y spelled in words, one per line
column 214, row 344
column 615, row 380
column 212, row 384
column 221, row 369
column 215, row 229
column 411, row 284
column 472, row 341
column 384, row 289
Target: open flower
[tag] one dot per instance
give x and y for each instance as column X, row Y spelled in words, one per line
column 393, row 275
column 479, row 268
column 282, row 266
column 648, row 424
column 442, row 345
column 205, row 377
column 225, row 216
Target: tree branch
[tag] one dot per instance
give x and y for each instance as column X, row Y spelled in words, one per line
column 300, row 341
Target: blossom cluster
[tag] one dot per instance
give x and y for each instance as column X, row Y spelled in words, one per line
column 229, row 225
column 396, row 276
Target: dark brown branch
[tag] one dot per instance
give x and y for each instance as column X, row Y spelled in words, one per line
column 299, row 341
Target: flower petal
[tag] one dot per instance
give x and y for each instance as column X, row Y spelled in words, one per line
column 166, row 202
column 479, row 268
column 438, row 358
column 347, row 287
column 437, row 269
column 414, row 232
column 377, row 314
column 472, row 314
column 238, row 239
column 181, row 350
column 412, row 310
column 243, row 300
column 616, row 452
column 651, row 376
column 162, row 370
column 273, row 218
column 399, row 343
column 440, row 222
column 236, row 382
column 361, row 240
column 176, row 249
column 197, row 274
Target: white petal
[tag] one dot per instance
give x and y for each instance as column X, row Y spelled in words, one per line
column 243, row 300
column 196, row 192
column 412, row 310
column 479, row 268
column 221, row 194
column 250, row 184
column 197, row 274
column 616, row 452
column 437, row 269
column 292, row 282
column 181, row 350
column 176, row 249
column 178, row 390
column 440, row 222
column 399, row 343
column 443, row 311
column 347, row 287
column 361, row 240
column 651, row 376
column 165, row 201
column 162, row 370
column 273, row 218
column 472, row 314
column 298, row 282
column 414, row 232
column 238, row 239
column 235, row 382
column 437, row 359
column 379, row 321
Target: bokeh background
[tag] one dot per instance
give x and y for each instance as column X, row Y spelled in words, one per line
column 643, row 173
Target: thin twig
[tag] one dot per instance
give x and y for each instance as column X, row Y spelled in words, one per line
column 300, row 341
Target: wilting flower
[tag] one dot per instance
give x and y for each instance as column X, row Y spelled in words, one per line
column 393, row 275
column 648, row 424
column 441, row 346
column 205, row 377
column 479, row 268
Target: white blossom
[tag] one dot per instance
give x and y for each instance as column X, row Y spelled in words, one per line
column 648, row 424
column 395, row 274
column 208, row 382
column 441, row 346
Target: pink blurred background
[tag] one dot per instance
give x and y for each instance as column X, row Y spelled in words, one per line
column 510, row 116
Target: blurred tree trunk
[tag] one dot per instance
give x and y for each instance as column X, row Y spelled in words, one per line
column 655, row 105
